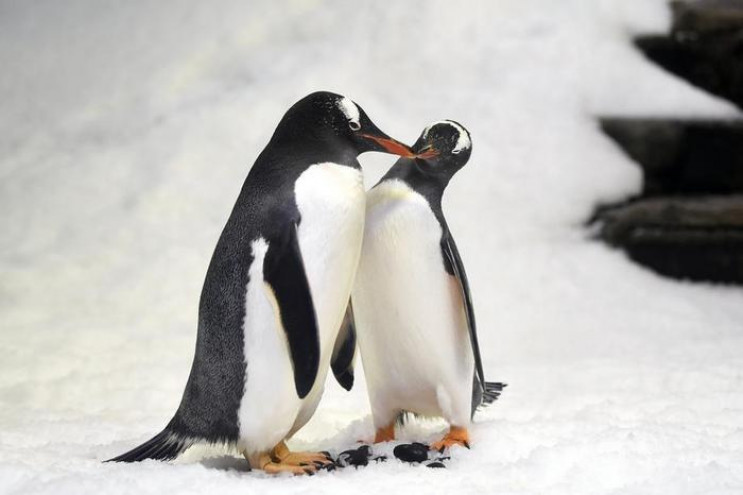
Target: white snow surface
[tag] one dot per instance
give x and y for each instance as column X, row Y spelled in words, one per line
column 127, row 129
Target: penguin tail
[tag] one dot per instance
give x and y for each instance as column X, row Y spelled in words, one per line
column 484, row 396
column 405, row 417
column 164, row 446
column 491, row 392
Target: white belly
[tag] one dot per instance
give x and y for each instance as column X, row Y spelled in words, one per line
column 410, row 318
column 330, row 199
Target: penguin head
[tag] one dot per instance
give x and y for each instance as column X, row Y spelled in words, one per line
column 444, row 146
column 332, row 121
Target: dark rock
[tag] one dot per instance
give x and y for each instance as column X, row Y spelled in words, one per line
column 706, row 17
column 705, row 46
column 411, row 452
column 354, row 457
column 683, row 156
column 692, row 238
column 436, row 464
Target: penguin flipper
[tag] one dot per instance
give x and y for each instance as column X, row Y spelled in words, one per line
column 344, row 350
column 455, row 267
column 283, row 271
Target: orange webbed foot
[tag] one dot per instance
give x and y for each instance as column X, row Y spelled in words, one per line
column 455, row 436
column 386, row 434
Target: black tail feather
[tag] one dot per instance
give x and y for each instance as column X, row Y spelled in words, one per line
column 484, row 396
column 492, row 392
column 164, row 446
column 404, row 417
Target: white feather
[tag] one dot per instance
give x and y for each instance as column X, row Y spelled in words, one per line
column 410, row 317
column 330, row 199
column 269, row 403
column 349, row 109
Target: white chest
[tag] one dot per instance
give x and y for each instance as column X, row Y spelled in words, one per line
column 410, row 320
column 331, row 201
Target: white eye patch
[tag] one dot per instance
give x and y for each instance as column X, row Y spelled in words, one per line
column 350, row 110
column 463, row 139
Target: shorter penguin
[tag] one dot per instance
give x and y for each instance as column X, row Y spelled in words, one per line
column 411, row 302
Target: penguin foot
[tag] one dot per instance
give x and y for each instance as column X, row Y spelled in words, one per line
column 283, row 455
column 386, row 434
column 271, row 465
column 456, row 436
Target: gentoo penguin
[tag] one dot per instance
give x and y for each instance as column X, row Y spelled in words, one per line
column 277, row 289
column 411, row 301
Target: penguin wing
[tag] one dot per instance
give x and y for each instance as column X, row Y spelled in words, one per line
column 284, row 272
column 455, row 267
column 344, row 350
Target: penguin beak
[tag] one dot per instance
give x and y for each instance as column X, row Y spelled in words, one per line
column 427, row 152
column 390, row 145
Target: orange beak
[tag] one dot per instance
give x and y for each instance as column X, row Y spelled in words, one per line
column 427, row 152
column 391, row 145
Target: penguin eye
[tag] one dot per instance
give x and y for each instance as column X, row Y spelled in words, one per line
column 355, row 126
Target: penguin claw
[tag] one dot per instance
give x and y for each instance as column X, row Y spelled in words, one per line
column 278, row 468
column 283, row 455
column 455, row 436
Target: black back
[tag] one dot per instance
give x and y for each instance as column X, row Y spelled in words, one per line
column 313, row 131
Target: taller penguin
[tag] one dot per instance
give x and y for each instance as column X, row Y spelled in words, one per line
column 276, row 291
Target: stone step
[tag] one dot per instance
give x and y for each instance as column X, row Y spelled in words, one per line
column 682, row 156
column 690, row 238
column 705, row 46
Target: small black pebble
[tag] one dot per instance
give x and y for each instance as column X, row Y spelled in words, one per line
column 411, row 452
column 435, row 464
column 354, row 457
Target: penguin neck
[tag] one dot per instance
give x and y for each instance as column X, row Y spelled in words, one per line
column 428, row 185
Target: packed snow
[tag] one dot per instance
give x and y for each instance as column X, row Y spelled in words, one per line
column 127, row 129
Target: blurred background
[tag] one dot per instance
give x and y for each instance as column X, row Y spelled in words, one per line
column 599, row 219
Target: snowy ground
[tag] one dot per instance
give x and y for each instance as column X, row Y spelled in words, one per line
column 127, row 129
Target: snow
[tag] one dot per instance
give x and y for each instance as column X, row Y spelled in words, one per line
column 127, row 129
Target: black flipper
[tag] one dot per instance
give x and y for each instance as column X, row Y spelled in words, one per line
column 164, row 446
column 456, row 268
column 283, row 271
column 345, row 350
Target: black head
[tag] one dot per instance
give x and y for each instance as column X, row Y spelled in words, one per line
column 331, row 123
column 443, row 147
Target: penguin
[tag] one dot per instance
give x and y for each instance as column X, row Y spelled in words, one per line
column 276, row 292
column 412, row 307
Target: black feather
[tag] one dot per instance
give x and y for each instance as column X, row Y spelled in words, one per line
column 164, row 446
